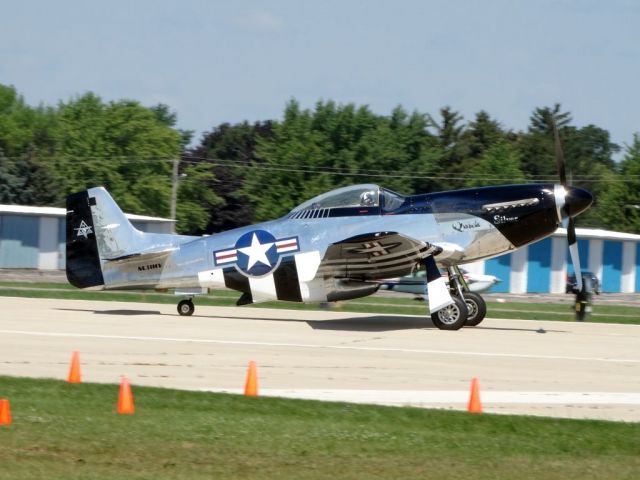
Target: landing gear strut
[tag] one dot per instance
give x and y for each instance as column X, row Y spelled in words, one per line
column 186, row 307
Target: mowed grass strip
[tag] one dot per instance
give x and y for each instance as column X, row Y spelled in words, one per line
column 402, row 304
column 72, row 432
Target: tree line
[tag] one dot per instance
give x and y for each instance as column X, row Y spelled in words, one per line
column 247, row 172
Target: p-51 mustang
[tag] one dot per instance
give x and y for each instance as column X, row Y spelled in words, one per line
column 336, row 246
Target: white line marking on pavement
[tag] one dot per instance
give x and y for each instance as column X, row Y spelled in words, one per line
column 328, row 347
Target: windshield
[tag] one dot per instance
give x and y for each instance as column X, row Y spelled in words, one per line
column 391, row 200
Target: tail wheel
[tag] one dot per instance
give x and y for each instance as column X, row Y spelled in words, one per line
column 186, row 308
column 452, row 317
column 476, row 309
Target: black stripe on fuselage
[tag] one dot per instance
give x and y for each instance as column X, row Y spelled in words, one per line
column 286, row 280
column 234, row 280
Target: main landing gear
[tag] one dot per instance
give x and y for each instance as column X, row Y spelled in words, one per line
column 468, row 308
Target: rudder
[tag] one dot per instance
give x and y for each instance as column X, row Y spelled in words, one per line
column 83, row 259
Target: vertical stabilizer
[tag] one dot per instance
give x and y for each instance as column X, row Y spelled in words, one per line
column 83, row 259
column 115, row 235
column 97, row 230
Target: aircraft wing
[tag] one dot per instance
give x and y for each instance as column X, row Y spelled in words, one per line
column 373, row 256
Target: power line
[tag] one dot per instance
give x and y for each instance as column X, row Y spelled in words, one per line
column 338, row 171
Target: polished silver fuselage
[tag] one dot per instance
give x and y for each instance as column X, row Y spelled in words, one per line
column 184, row 266
column 328, row 248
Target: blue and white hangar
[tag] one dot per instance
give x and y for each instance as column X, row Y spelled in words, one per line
column 542, row 267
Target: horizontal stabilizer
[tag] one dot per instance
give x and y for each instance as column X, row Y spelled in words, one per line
column 144, row 256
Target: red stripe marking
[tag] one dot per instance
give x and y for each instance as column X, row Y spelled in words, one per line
column 290, row 244
column 226, row 255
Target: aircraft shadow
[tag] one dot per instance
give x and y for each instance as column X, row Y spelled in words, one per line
column 372, row 324
column 125, row 312
column 377, row 323
column 386, row 323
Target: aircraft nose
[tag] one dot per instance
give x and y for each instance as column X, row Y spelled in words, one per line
column 578, row 200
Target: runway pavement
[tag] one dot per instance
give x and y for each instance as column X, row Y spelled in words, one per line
column 580, row 370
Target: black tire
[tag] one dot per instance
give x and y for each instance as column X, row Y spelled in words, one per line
column 476, row 309
column 186, row 308
column 452, row 317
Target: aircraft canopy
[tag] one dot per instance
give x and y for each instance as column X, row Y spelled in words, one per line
column 364, row 195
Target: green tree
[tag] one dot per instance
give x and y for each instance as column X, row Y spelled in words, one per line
column 229, row 151
column 499, row 164
column 26, row 136
column 544, row 118
column 289, row 168
column 404, row 153
column 195, row 199
column 311, row 152
column 448, row 133
column 10, row 182
column 617, row 204
column 481, row 134
column 122, row 145
column 536, row 146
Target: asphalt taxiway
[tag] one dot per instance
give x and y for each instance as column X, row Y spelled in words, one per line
column 579, row 370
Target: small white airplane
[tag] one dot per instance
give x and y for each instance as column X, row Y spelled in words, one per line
column 415, row 283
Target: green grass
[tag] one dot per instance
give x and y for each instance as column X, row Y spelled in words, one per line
column 402, row 304
column 63, row 431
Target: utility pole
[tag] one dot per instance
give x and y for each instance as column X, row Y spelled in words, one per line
column 174, row 193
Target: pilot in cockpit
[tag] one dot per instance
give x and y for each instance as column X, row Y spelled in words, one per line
column 367, row 199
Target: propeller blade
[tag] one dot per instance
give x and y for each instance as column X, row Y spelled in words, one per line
column 562, row 171
column 437, row 290
column 569, row 225
column 573, row 251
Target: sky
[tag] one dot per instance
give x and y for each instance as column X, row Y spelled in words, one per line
column 215, row 61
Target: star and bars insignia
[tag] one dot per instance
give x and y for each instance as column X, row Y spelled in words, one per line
column 256, row 253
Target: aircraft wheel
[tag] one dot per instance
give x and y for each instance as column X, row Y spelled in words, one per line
column 186, row 308
column 476, row 309
column 452, row 317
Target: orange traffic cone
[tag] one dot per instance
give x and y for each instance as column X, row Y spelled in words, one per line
column 251, row 386
column 5, row 412
column 74, row 369
column 474, row 405
column 125, row 398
